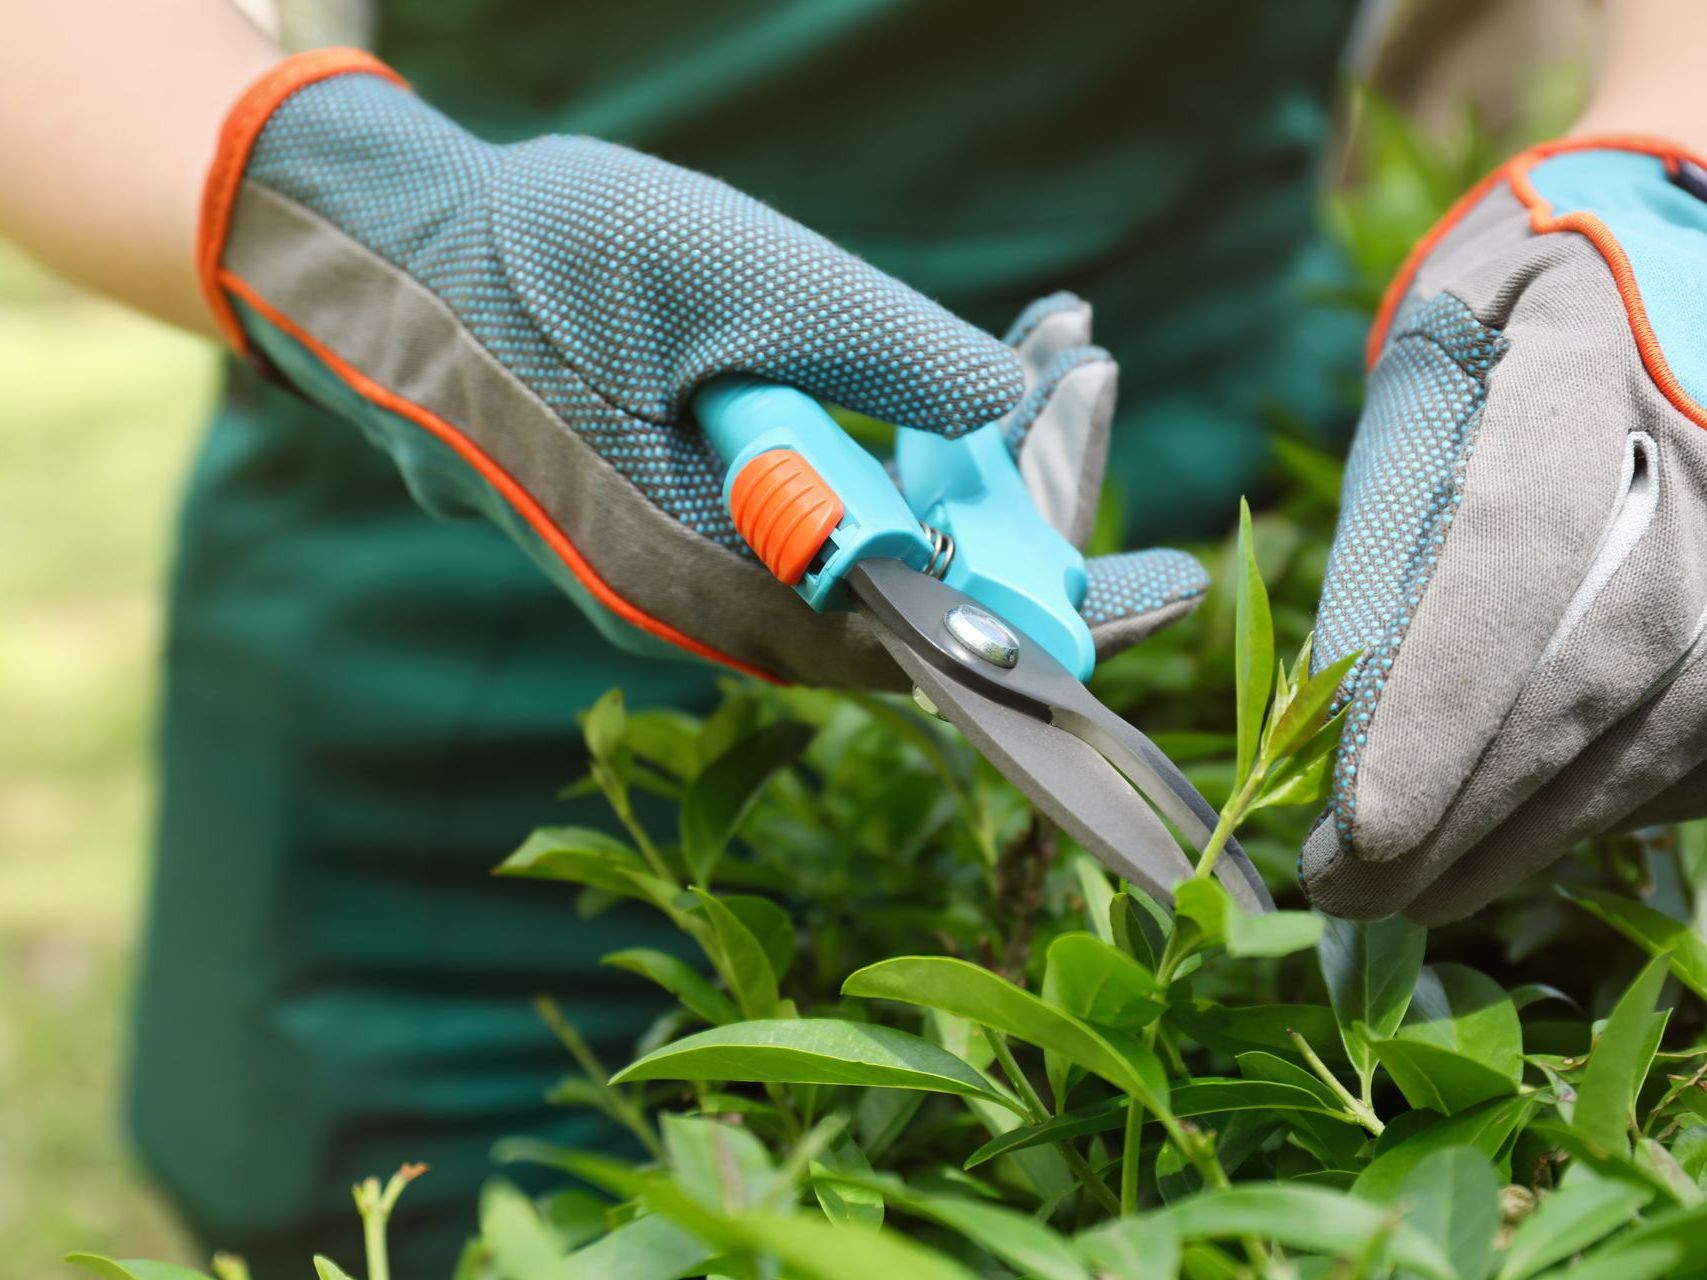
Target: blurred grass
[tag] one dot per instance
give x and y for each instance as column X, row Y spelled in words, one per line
column 99, row 410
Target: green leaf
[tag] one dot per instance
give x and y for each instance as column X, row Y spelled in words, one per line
column 584, row 856
column 605, row 725
column 1568, row 1221
column 1487, row 1128
column 815, row 1051
column 1326, row 1130
column 1304, row 1217
column 1132, row 1247
column 665, row 737
column 1469, row 1014
column 646, row 1248
column 730, row 946
column 1653, row 931
column 851, row 1203
column 940, row 982
column 1452, row 1198
column 1196, row 1097
column 720, row 797
column 767, row 922
column 1306, row 777
column 1097, row 893
column 1371, row 969
column 1440, row 1079
column 326, row 1269
column 1094, row 980
column 1206, row 905
column 813, row 1249
column 1684, row 1231
column 1272, row 933
column 522, row 1246
column 680, row 979
column 1645, row 1260
column 1220, row 920
column 1308, row 711
column 724, row 1167
column 1259, row 1065
column 1240, row 1028
column 1017, row 1239
column 1253, row 646
column 132, row 1268
column 1619, row 1064
column 1138, row 930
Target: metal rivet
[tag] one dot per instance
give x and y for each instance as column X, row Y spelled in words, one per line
column 982, row 634
column 925, row 703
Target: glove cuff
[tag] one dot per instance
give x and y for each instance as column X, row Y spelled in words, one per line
column 243, row 125
column 1514, row 173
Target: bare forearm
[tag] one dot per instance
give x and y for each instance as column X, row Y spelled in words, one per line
column 109, row 111
column 1650, row 76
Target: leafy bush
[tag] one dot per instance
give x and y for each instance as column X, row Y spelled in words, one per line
column 923, row 1010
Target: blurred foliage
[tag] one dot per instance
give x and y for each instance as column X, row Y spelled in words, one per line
column 98, row 412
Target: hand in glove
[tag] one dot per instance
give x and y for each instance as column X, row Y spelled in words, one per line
column 1522, row 549
column 523, row 327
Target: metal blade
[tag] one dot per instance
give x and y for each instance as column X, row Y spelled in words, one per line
column 1064, row 777
column 1052, row 738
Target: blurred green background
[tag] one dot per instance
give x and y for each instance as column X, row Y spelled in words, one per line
column 99, row 410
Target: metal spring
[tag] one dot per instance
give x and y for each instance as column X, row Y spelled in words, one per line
column 942, row 551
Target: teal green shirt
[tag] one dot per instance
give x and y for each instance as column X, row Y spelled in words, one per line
column 366, row 708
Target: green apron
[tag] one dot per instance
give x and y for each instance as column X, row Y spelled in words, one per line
column 366, row 709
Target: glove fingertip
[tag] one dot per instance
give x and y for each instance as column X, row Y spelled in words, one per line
column 1038, row 313
column 1132, row 595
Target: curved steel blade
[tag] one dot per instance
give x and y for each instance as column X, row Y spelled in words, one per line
column 1051, row 737
column 1064, row 777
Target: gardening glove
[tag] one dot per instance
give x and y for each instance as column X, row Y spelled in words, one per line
column 522, row 329
column 1521, row 556
column 1059, row 433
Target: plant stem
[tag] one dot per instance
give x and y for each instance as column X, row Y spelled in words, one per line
column 1020, row 1081
column 1356, row 1108
column 375, row 1206
column 648, row 850
column 1129, row 1156
column 1232, row 814
column 618, row 1105
column 1039, row 1113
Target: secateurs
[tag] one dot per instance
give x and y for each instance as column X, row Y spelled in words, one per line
column 976, row 597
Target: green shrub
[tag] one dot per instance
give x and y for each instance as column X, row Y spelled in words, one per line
column 922, row 1010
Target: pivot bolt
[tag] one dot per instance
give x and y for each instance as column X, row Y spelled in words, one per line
column 982, row 634
column 925, row 704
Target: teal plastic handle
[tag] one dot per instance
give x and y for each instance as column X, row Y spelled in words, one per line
column 1006, row 555
column 744, row 417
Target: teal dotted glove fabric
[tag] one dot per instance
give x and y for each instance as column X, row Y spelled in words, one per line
column 522, row 328
column 1521, row 556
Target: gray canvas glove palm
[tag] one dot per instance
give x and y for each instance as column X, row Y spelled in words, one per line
column 1522, row 550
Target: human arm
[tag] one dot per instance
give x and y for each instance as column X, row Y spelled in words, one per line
column 109, row 111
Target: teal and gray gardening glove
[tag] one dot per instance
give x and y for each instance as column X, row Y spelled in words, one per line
column 1522, row 550
column 522, row 328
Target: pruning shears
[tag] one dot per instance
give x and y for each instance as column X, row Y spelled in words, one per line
column 976, row 597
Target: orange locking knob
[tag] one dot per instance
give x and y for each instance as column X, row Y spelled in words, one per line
column 784, row 510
